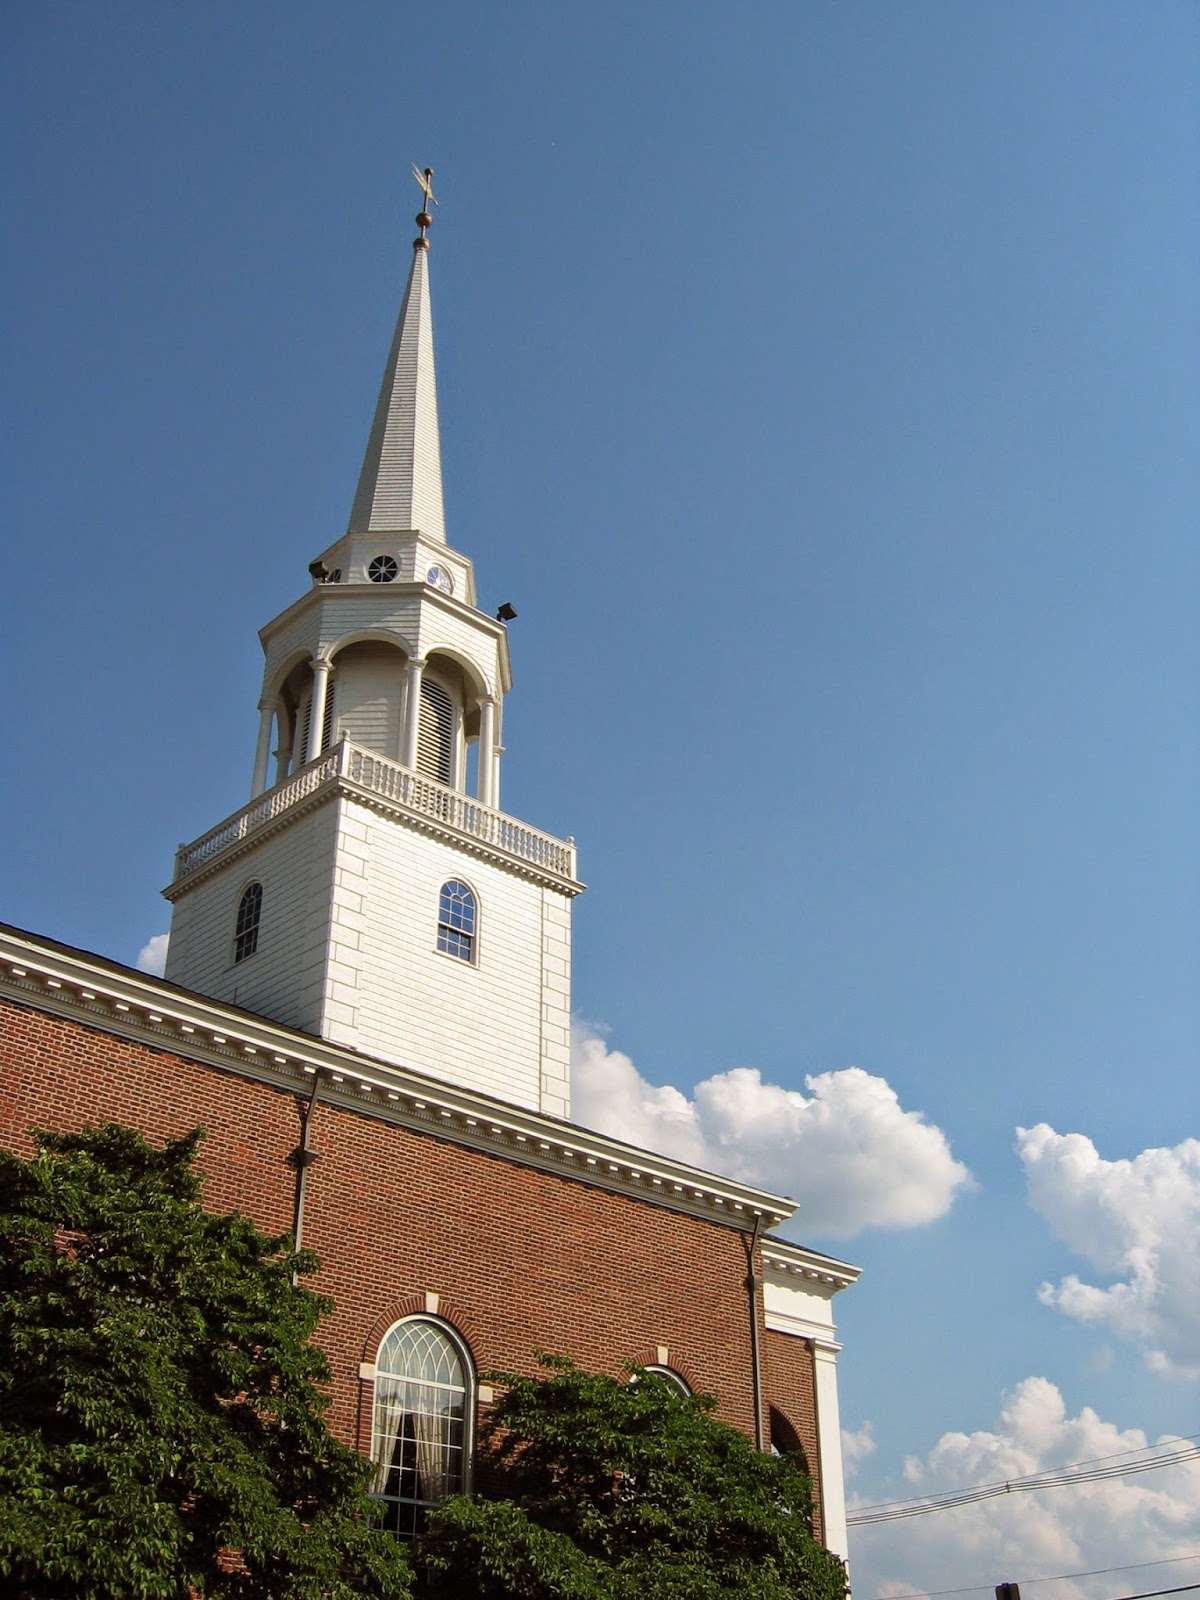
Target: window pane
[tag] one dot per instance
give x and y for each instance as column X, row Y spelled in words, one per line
column 456, row 920
column 249, row 914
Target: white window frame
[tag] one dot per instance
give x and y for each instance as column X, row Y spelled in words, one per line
column 405, row 1512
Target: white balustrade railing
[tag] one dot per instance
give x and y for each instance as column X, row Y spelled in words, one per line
column 403, row 788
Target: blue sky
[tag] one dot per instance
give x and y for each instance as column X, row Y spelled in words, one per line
column 820, row 382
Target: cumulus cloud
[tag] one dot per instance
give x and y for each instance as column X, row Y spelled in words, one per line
column 846, row 1151
column 1151, row 1517
column 1138, row 1223
column 857, row 1445
column 152, row 957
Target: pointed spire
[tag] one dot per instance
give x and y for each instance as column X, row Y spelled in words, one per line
column 400, row 486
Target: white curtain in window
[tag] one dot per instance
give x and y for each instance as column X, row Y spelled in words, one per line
column 389, row 1422
column 435, row 1465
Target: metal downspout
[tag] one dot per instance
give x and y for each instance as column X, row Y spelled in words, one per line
column 302, row 1157
column 753, row 1280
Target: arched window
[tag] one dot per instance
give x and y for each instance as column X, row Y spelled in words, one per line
column 670, row 1376
column 249, row 915
column 785, row 1441
column 456, row 920
column 424, row 1406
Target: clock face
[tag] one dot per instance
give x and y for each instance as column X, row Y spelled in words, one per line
column 439, row 578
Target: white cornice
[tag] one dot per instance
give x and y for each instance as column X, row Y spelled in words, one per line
column 132, row 1005
column 783, row 1260
column 406, row 589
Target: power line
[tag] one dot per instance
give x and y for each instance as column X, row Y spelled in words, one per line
column 1089, row 1461
column 1135, row 1566
column 1150, row 1593
column 895, row 1510
column 1058, row 1577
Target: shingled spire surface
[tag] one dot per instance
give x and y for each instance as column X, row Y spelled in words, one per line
column 400, row 486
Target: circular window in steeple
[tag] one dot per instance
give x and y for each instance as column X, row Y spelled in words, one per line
column 383, row 569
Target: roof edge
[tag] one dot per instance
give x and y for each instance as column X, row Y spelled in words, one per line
column 100, row 993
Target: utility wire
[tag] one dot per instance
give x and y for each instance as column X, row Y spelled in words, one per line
column 1090, row 1461
column 1099, row 1572
column 895, row 1510
column 1057, row 1577
column 1150, row 1593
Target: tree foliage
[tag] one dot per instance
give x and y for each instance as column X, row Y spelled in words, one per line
column 624, row 1491
column 161, row 1411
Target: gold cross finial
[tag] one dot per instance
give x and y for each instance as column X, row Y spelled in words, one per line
column 425, row 179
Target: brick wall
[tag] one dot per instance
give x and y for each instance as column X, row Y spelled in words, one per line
column 520, row 1259
column 789, row 1381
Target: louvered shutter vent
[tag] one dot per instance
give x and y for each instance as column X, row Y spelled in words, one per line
column 435, row 732
column 327, row 721
column 302, row 752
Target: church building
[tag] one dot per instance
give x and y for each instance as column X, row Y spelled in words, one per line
column 366, row 1006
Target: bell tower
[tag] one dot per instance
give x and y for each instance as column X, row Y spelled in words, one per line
column 372, row 892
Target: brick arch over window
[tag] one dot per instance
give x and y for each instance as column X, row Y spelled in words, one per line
column 421, row 1305
column 649, row 1359
column 423, row 1417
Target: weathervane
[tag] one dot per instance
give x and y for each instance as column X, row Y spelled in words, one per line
column 424, row 220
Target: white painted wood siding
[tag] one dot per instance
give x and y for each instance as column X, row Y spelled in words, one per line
column 285, row 977
column 370, row 689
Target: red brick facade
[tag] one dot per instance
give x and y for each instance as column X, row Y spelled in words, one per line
column 520, row 1259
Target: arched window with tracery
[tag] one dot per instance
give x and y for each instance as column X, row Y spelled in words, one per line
column 424, row 1406
column 670, row 1377
column 457, row 921
column 249, row 915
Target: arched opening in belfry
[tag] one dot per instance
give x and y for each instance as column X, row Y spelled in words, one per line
column 449, row 723
column 294, row 718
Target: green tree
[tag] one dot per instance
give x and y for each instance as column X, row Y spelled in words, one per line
column 161, row 1412
column 623, row 1491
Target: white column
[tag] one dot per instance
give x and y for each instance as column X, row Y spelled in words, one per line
column 262, row 751
column 412, row 712
column 497, row 752
column 829, row 1443
column 487, row 752
column 320, row 692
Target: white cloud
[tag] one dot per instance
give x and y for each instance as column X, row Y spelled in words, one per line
column 1137, row 1222
column 152, row 957
column 1115, row 1522
column 856, row 1447
column 846, row 1152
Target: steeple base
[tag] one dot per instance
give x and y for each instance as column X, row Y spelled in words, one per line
column 392, row 914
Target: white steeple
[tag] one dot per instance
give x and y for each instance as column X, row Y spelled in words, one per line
column 400, row 485
column 373, row 892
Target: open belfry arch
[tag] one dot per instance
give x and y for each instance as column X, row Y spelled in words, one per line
column 376, row 782
column 366, row 1006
